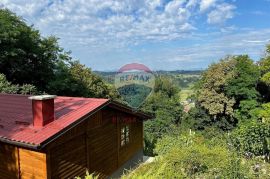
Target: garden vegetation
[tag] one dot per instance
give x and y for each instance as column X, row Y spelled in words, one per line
column 226, row 134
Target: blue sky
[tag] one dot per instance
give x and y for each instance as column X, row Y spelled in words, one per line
column 162, row 34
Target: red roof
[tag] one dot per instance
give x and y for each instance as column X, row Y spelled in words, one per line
column 16, row 119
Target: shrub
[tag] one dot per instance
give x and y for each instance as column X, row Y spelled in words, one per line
column 88, row 176
column 8, row 87
column 252, row 138
column 190, row 155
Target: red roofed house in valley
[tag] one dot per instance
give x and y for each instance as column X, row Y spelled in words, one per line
column 62, row 137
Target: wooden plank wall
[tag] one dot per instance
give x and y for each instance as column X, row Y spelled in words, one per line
column 9, row 167
column 21, row 163
column 136, row 141
column 102, row 144
column 67, row 155
column 32, row 164
column 93, row 145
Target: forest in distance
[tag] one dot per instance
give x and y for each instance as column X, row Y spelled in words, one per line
column 225, row 133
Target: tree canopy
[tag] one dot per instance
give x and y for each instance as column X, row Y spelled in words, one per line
column 8, row 87
column 228, row 90
column 164, row 104
column 28, row 58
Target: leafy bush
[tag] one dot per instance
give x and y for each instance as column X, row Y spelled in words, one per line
column 264, row 112
column 28, row 89
column 88, row 176
column 253, row 138
column 193, row 155
column 247, row 110
column 164, row 104
column 197, row 119
column 190, row 155
column 8, row 87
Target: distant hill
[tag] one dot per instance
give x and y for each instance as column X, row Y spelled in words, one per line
column 177, row 72
column 183, row 78
column 180, row 72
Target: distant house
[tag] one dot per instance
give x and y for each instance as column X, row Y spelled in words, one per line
column 60, row 137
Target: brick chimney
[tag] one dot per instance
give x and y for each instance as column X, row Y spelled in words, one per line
column 43, row 109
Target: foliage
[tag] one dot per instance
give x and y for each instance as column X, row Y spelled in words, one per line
column 7, row 87
column 149, row 143
column 227, row 97
column 247, row 110
column 165, row 85
column 264, row 63
column 228, row 92
column 264, row 113
column 264, row 66
column 252, row 137
column 185, row 81
column 28, row 58
column 191, row 155
column 211, row 94
column 75, row 79
column 28, row 89
column 167, row 112
column 88, row 176
column 164, row 104
column 243, row 84
column 92, row 84
column 25, row 56
column 197, row 119
column 266, row 79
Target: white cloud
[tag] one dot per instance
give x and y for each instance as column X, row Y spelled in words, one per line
column 251, row 42
column 221, row 13
column 152, row 4
column 257, row 41
column 206, row 4
column 192, row 3
column 105, row 21
column 94, row 28
column 112, row 21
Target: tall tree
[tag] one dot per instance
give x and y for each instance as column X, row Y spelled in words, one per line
column 28, row 58
column 228, row 90
column 25, row 56
column 75, row 79
column 264, row 85
column 211, row 89
column 165, row 105
column 242, row 87
column 244, row 82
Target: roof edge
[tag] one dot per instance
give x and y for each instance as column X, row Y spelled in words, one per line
column 20, row 144
column 74, row 124
column 139, row 113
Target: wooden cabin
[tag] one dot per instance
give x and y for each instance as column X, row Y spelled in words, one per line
column 62, row 137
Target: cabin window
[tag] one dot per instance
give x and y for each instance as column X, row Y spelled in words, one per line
column 125, row 134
